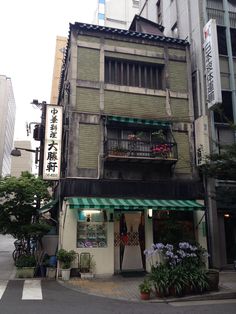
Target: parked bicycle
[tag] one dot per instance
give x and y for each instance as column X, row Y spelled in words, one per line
column 20, row 249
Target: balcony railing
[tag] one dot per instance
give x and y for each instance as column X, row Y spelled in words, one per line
column 232, row 19
column 137, row 149
column 216, row 14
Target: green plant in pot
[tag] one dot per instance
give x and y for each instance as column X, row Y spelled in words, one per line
column 145, row 288
column 178, row 280
column 25, row 266
column 66, row 258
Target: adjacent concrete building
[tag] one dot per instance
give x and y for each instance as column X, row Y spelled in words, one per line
column 117, row 14
column 7, row 124
column 128, row 165
column 23, row 162
column 185, row 19
column 58, row 59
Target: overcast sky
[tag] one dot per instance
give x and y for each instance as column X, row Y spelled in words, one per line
column 28, row 30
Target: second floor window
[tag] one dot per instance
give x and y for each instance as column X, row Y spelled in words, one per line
column 137, row 74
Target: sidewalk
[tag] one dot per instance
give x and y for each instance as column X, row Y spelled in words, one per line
column 118, row 287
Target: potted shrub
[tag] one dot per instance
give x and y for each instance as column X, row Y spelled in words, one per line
column 66, row 258
column 178, row 280
column 145, row 288
column 87, row 266
column 25, row 266
column 212, row 276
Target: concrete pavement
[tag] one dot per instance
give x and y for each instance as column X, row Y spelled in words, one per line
column 118, row 287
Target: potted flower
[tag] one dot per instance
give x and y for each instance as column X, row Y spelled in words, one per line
column 66, row 258
column 87, row 266
column 25, row 266
column 145, row 288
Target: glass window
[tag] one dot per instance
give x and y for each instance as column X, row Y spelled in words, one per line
column 224, row 112
column 92, row 230
column 222, row 46
column 233, row 41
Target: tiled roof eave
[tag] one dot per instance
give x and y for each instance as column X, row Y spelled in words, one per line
column 126, row 33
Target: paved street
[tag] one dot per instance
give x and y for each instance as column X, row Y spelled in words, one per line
column 36, row 296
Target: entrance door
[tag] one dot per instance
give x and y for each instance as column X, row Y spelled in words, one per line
column 230, row 237
column 129, row 241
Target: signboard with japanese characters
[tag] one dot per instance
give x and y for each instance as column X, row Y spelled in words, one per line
column 52, row 146
column 212, row 66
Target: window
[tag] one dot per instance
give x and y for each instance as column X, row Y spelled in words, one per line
column 222, row 46
column 128, row 73
column 233, row 41
column 224, row 112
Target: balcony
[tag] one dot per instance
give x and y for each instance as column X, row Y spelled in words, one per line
column 142, row 151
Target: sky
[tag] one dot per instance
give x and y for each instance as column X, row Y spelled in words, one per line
column 28, row 30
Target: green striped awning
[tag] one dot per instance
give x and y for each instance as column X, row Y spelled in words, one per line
column 132, row 204
column 47, row 207
column 139, row 121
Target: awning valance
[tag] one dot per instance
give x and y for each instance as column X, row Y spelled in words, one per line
column 132, row 204
column 139, row 121
column 47, row 207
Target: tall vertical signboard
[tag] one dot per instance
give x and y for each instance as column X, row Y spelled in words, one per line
column 212, row 66
column 52, row 146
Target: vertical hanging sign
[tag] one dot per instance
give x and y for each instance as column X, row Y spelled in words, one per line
column 212, row 66
column 52, row 145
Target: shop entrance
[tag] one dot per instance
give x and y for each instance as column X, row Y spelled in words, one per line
column 129, row 241
column 230, row 237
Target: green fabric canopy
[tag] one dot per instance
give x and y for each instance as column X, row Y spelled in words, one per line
column 139, row 121
column 132, row 204
column 47, row 207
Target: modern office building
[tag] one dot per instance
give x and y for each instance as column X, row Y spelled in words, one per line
column 7, row 123
column 117, row 14
column 23, row 162
column 58, row 59
column 186, row 19
column 128, row 177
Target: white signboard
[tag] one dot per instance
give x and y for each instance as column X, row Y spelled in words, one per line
column 212, row 66
column 52, row 145
column 202, row 140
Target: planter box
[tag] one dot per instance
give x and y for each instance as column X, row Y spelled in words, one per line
column 25, row 272
column 51, row 272
column 86, row 275
column 213, row 279
column 65, row 274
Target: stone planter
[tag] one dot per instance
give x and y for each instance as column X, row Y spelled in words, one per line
column 213, row 279
column 25, row 272
column 65, row 274
column 86, row 275
column 51, row 272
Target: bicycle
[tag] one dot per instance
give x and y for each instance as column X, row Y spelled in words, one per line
column 20, row 249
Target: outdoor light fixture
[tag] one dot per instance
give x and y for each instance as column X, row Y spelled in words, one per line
column 226, row 215
column 150, row 213
column 91, row 211
column 16, row 152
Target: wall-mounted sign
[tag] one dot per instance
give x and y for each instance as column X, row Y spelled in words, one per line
column 202, row 140
column 52, row 146
column 212, row 65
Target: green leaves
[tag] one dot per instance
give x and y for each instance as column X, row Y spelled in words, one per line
column 18, row 200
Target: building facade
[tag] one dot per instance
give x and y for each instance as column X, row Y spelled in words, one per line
column 186, row 19
column 128, row 169
column 117, row 14
column 58, row 59
column 7, row 123
column 23, row 162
